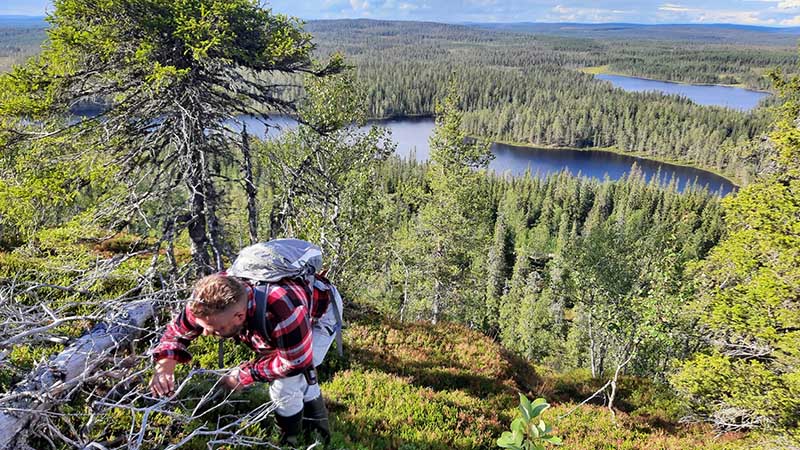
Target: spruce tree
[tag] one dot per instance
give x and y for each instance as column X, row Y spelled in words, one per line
column 748, row 298
column 171, row 77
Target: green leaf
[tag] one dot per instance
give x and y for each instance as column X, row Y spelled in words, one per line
column 534, row 430
column 506, row 440
column 518, row 438
column 525, row 407
column 518, row 425
column 542, row 427
column 511, row 439
column 538, row 408
column 555, row 440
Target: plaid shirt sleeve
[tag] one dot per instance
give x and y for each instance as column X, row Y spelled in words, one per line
column 179, row 333
column 287, row 312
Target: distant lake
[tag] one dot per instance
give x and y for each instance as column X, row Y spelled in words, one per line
column 708, row 95
column 411, row 136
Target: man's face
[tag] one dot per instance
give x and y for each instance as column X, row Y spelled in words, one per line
column 224, row 324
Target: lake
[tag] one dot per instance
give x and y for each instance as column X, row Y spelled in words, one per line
column 411, row 136
column 708, row 95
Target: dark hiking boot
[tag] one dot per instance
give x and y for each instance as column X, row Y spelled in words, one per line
column 315, row 419
column 291, row 428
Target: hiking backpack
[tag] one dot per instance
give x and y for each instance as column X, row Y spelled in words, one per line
column 272, row 261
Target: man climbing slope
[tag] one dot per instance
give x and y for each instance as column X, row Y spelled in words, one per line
column 275, row 320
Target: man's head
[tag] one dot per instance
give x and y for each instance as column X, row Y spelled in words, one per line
column 219, row 304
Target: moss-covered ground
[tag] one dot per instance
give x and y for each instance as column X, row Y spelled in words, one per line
column 423, row 386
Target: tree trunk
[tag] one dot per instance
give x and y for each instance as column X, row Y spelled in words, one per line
column 249, row 187
column 405, row 293
column 197, row 223
column 215, row 233
column 612, row 396
column 68, row 369
column 169, row 237
column 436, row 300
column 591, row 348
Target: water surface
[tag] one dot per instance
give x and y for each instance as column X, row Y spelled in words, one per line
column 709, row 95
column 411, row 136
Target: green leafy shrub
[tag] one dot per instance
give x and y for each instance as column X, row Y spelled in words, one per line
column 591, row 427
column 529, row 432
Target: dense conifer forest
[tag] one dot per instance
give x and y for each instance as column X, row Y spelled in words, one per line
column 529, row 88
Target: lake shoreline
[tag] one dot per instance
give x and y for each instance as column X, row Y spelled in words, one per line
column 598, row 70
column 733, row 181
column 401, row 117
column 527, row 146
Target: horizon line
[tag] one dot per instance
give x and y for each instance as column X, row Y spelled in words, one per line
column 527, row 22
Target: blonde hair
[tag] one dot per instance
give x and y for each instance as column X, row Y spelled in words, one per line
column 214, row 294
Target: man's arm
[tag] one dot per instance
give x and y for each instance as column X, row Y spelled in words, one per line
column 177, row 337
column 291, row 335
column 171, row 350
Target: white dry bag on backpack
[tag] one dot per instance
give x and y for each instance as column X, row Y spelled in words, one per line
column 272, row 261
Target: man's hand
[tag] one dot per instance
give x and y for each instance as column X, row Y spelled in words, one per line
column 163, row 382
column 231, row 381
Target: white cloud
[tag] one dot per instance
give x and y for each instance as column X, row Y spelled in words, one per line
column 561, row 9
column 356, row 4
column 407, row 7
column 675, row 8
column 741, row 17
column 673, row 12
column 570, row 14
column 794, row 21
column 789, row 4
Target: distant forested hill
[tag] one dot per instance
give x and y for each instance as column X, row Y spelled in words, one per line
column 729, row 54
column 20, row 37
column 695, row 33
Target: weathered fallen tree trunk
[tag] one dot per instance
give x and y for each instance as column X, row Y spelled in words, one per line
column 53, row 381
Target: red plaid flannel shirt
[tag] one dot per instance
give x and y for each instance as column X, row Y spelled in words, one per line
column 287, row 349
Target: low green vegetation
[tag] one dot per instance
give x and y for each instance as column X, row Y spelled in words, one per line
column 413, row 385
column 529, row 431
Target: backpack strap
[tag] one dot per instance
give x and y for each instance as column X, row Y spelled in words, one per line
column 336, row 304
column 260, row 294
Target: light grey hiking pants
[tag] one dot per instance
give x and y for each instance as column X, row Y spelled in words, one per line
column 291, row 392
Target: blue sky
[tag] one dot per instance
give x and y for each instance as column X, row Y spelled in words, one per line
column 750, row 12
